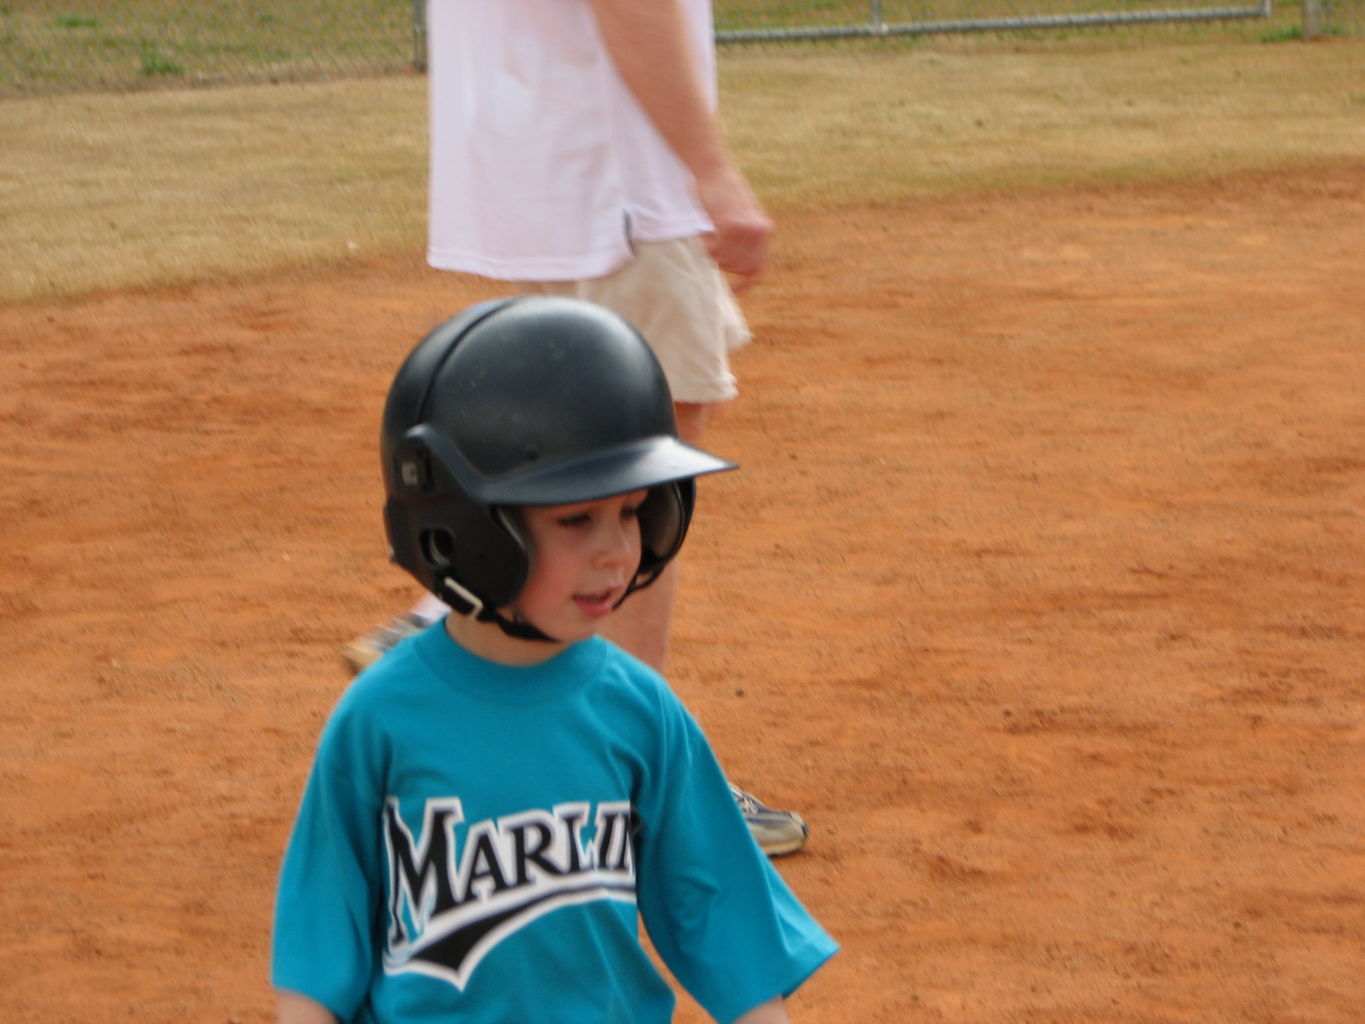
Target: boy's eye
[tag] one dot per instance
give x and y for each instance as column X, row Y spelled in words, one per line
column 585, row 517
column 632, row 507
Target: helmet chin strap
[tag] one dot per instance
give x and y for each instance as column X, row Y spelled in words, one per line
column 468, row 604
column 515, row 628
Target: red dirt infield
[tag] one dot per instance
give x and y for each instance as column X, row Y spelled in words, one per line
column 1041, row 593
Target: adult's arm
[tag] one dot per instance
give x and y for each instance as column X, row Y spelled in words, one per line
column 648, row 43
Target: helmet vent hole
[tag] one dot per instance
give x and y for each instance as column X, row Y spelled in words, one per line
column 438, row 547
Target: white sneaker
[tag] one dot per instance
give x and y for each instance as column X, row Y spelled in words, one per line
column 366, row 649
column 777, row 832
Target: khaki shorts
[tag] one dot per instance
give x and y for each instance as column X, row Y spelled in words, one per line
column 679, row 300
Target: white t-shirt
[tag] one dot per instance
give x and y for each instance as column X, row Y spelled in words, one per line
column 543, row 165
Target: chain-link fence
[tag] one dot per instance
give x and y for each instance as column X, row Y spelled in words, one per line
column 881, row 18
column 63, row 45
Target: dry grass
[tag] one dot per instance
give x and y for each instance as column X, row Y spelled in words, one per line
column 113, row 191
column 125, row 190
column 889, row 128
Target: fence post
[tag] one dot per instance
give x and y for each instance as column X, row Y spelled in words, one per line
column 419, row 35
column 1312, row 19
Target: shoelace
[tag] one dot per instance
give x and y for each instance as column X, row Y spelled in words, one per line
column 747, row 802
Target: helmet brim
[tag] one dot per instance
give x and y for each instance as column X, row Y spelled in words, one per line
column 635, row 467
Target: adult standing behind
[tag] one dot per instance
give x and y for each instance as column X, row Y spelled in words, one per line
column 576, row 150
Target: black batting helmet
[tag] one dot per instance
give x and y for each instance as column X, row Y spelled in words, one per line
column 527, row 401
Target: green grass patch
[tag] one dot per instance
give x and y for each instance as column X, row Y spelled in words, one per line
column 153, row 63
column 53, row 47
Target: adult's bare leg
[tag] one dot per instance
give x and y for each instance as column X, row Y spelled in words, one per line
column 642, row 624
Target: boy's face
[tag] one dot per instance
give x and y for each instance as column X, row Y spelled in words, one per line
column 584, row 556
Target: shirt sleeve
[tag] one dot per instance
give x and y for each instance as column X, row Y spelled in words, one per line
column 327, row 900
column 721, row 917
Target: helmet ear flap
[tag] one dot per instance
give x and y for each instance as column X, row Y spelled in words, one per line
column 479, row 561
column 457, row 547
column 510, row 519
column 437, row 547
column 664, row 517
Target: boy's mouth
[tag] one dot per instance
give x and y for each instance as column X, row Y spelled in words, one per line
column 598, row 604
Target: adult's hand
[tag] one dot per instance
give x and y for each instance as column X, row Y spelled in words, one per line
column 742, row 230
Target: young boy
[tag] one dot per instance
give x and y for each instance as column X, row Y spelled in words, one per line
column 494, row 801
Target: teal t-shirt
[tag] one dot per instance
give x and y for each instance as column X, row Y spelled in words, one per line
column 475, row 841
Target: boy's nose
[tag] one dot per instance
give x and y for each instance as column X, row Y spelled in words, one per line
column 616, row 543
